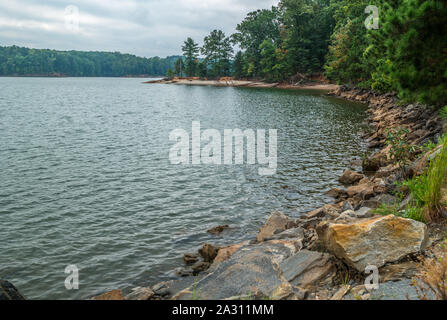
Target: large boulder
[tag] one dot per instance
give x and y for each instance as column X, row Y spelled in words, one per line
column 350, row 177
column 252, row 270
column 276, row 223
column 375, row 241
column 9, row 292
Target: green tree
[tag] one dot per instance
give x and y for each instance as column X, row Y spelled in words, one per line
column 308, row 25
column 257, row 27
column 238, row 65
column 190, row 52
column 179, row 67
column 218, row 52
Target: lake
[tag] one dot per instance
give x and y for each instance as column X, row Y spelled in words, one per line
column 86, row 180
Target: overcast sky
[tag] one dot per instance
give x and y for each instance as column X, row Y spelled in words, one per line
column 142, row 27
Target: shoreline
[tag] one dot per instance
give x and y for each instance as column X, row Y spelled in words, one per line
column 312, row 266
column 226, row 82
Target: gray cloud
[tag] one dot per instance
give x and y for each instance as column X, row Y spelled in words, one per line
column 145, row 28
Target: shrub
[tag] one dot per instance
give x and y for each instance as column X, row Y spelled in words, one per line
column 401, row 151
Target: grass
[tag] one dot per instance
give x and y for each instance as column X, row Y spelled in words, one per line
column 426, row 189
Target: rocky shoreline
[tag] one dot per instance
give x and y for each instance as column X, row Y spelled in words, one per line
column 328, row 253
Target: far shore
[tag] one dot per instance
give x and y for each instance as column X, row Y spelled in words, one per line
column 245, row 83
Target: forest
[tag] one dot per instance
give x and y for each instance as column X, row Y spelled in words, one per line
column 403, row 49
column 18, row 61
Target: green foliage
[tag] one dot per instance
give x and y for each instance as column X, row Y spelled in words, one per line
column 257, row 27
column 179, row 67
column 23, row 61
column 190, row 52
column 401, row 151
column 426, row 189
column 308, row 26
column 238, row 65
column 218, row 52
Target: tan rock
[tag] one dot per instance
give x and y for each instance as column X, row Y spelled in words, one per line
column 350, row 177
column 208, row 252
column 275, row 224
column 366, row 190
column 375, row 241
column 226, row 253
column 112, row 295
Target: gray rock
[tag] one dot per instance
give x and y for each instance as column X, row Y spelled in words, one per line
column 347, row 206
column 307, row 269
column 140, row 293
column 250, row 270
column 363, row 213
column 9, row 292
column 400, row 290
column 295, row 233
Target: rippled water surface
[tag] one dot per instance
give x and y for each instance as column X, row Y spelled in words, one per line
column 85, row 177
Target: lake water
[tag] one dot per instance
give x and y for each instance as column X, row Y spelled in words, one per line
column 85, row 176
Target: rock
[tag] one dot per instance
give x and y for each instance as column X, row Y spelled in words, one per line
column 371, row 165
column 364, row 190
column 341, row 292
column 363, row 213
column 419, row 166
column 401, row 290
column 184, row 272
column 226, row 253
column 397, row 272
column 375, row 202
column 208, row 252
column 318, row 213
column 385, row 172
column 251, row 270
column 347, row 206
column 200, row 267
column 346, row 217
column 275, row 224
column 190, row 258
column 309, row 269
column 218, row 230
column 350, row 177
column 337, row 193
column 9, row 292
column 375, row 241
column 295, row 233
column 161, row 289
column 111, row 295
column 140, row 294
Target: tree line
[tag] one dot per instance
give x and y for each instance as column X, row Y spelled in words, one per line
column 406, row 54
column 23, row 61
